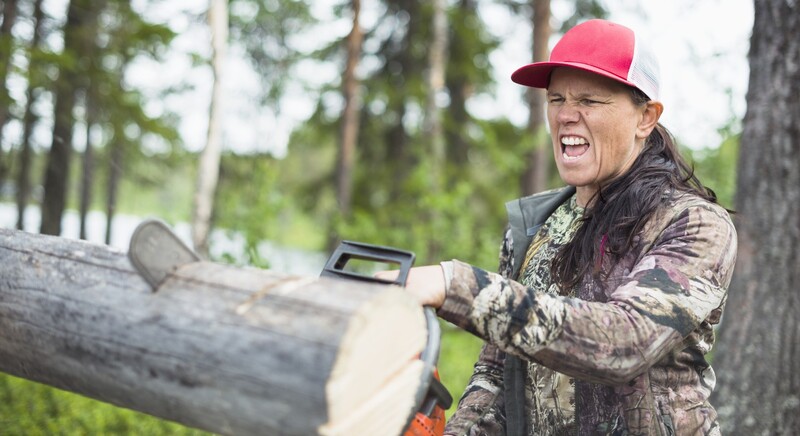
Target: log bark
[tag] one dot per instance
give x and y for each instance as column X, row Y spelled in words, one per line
column 225, row 349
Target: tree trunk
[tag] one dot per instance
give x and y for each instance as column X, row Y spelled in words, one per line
column 58, row 160
column 401, row 66
column 759, row 345
column 208, row 169
column 432, row 123
column 91, row 71
column 58, row 163
column 225, row 349
column 432, row 127
column 87, row 175
column 116, row 160
column 537, row 169
column 28, row 120
column 6, row 48
column 460, row 87
column 350, row 115
column 114, row 175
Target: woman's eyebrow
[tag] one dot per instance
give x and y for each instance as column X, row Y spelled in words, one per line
column 585, row 94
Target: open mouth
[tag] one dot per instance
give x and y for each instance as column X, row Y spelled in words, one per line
column 573, row 147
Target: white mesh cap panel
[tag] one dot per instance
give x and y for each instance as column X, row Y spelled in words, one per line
column 644, row 71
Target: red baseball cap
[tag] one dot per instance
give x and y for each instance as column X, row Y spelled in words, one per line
column 600, row 47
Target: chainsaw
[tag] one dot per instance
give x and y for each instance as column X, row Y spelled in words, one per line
column 432, row 398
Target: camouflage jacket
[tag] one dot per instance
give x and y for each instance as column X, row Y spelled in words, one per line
column 635, row 343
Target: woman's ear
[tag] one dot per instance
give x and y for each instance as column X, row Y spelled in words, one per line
column 652, row 112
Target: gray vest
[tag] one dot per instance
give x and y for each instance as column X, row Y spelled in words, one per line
column 525, row 216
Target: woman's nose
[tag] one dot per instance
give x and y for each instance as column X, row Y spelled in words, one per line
column 567, row 113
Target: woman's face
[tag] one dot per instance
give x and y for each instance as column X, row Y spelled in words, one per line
column 596, row 128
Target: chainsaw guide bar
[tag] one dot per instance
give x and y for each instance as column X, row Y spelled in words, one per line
column 156, row 252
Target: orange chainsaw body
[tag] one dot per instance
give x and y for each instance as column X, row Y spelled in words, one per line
column 424, row 425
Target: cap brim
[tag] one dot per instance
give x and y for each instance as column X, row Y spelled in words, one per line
column 537, row 75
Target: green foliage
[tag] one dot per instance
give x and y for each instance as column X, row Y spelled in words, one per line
column 247, row 199
column 458, row 353
column 143, row 193
column 395, row 199
column 716, row 168
column 265, row 30
column 263, row 198
column 32, row 409
column 584, row 10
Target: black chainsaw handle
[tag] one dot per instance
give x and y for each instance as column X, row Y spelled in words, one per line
column 431, row 391
column 347, row 250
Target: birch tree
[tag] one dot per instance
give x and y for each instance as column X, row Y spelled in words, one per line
column 208, row 168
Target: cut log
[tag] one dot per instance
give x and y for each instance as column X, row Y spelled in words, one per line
column 225, row 349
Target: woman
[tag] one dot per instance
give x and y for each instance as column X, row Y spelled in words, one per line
column 603, row 311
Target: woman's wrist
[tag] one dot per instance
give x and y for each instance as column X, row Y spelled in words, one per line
column 447, row 270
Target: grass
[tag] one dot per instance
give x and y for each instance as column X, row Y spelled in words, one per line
column 31, row 409
column 458, row 355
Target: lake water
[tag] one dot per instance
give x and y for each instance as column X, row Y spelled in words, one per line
column 281, row 259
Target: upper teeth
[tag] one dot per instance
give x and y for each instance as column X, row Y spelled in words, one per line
column 573, row 140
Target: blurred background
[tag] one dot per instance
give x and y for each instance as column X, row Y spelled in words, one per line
column 265, row 131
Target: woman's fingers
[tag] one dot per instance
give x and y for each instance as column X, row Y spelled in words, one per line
column 425, row 283
column 390, row 275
